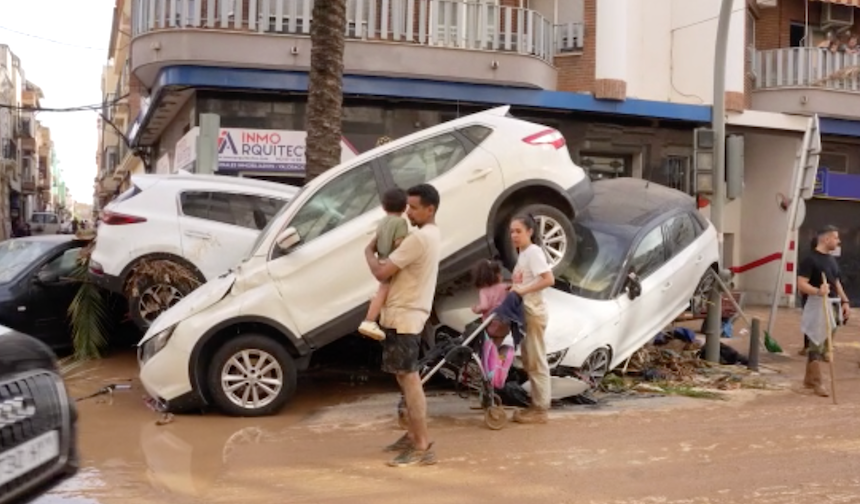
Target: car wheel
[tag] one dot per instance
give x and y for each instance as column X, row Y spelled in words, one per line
column 251, row 375
column 595, row 367
column 156, row 287
column 701, row 296
column 556, row 235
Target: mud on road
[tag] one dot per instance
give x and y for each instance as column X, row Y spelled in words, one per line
column 764, row 447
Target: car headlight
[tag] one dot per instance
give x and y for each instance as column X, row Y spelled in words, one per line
column 556, row 357
column 154, row 345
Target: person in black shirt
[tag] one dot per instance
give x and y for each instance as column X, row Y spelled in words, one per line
column 821, row 261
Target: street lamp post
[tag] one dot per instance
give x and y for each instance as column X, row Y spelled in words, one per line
column 718, row 123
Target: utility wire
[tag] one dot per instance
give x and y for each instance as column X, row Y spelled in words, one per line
column 52, row 40
column 81, row 108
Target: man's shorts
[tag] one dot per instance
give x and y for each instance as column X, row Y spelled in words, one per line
column 400, row 352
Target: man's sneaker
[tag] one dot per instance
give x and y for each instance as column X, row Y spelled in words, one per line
column 402, row 444
column 371, row 330
column 414, row 456
column 531, row 416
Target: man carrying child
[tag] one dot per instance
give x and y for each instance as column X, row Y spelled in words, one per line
column 412, row 270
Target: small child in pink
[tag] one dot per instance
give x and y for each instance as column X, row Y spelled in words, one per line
column 497, row 358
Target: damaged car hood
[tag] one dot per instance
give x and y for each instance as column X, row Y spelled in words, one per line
column 198, row 300
column 571, row 318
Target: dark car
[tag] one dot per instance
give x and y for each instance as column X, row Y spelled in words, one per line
column 35, row 285
column 38, row 420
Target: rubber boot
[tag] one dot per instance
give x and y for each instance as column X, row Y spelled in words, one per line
column 531, row 415
column 814, row 368
column 808, row 380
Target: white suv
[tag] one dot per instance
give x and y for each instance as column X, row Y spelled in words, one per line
column 238, row 341
column 168, row 234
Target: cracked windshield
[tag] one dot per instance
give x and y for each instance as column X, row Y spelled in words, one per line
column 465, row 251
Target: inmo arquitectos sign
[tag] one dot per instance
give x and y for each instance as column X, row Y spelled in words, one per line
column 241, row 149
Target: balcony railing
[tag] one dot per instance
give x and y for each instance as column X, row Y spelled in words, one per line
column 461, row 24
column 806, row 67
column 569, row 37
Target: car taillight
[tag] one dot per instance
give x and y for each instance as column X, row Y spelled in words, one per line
column 118, row 219
column 546, row 137
column 96, row 268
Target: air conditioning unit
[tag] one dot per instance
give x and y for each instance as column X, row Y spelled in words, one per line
column 766, row 3
column 833, row 15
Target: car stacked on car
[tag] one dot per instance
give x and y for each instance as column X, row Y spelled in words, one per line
column 238, row 342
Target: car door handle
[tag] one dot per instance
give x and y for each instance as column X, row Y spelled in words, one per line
column 479, row 174
column 667, row 286
column 199, row 234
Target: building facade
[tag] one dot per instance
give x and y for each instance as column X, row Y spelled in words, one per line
column 115, row 159
column 626, row 81
column 25, row 146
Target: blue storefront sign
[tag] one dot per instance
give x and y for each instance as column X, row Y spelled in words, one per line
column 836, row 185
column 820, row 182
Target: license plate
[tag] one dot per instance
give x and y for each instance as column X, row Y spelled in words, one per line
column 24, row 458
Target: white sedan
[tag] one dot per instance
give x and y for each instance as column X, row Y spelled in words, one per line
column 642, row 254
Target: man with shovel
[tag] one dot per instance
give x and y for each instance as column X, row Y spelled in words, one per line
column 821, row 263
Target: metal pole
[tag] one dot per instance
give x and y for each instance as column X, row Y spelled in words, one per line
column 718, row 119
column 207, row 144
column 755, row 343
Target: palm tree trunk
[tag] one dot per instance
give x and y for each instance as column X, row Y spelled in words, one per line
column 325, row 87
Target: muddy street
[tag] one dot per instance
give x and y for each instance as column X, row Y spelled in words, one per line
column 781, row 446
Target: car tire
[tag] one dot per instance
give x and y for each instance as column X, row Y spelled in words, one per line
column 595, row 367
column 230, row 359
column 559, row 225
column 149, row 294
column 701, row 296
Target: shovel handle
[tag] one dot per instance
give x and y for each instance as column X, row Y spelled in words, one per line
column 827, row 319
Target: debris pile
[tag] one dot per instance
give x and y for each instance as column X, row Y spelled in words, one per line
column 674, row 364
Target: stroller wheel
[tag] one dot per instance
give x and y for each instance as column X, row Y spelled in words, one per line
column 495, row 417
column 402, row 415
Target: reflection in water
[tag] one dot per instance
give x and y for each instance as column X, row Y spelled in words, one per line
column 127, row 458
column 72, row 491
column 181, row 462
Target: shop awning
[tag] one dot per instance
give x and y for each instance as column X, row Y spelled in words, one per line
column 851, row 3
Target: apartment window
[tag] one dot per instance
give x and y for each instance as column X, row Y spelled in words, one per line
column 797, row 35
column 675, row 172
column 836, row 162
column 750, row 36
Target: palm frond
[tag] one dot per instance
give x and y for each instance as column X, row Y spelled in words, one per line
column 88, row 313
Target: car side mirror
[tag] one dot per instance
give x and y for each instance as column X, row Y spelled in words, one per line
column 287, row 239
column 633, row 286
column 46, row 277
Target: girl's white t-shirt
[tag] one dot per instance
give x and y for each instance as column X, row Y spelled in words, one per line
column 531, row 264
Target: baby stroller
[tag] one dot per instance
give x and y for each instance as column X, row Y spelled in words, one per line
column 456, row 356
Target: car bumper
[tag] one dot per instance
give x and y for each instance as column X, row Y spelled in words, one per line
column 164, row 380
column 580, row 195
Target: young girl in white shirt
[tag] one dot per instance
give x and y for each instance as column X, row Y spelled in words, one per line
column 532, row 275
